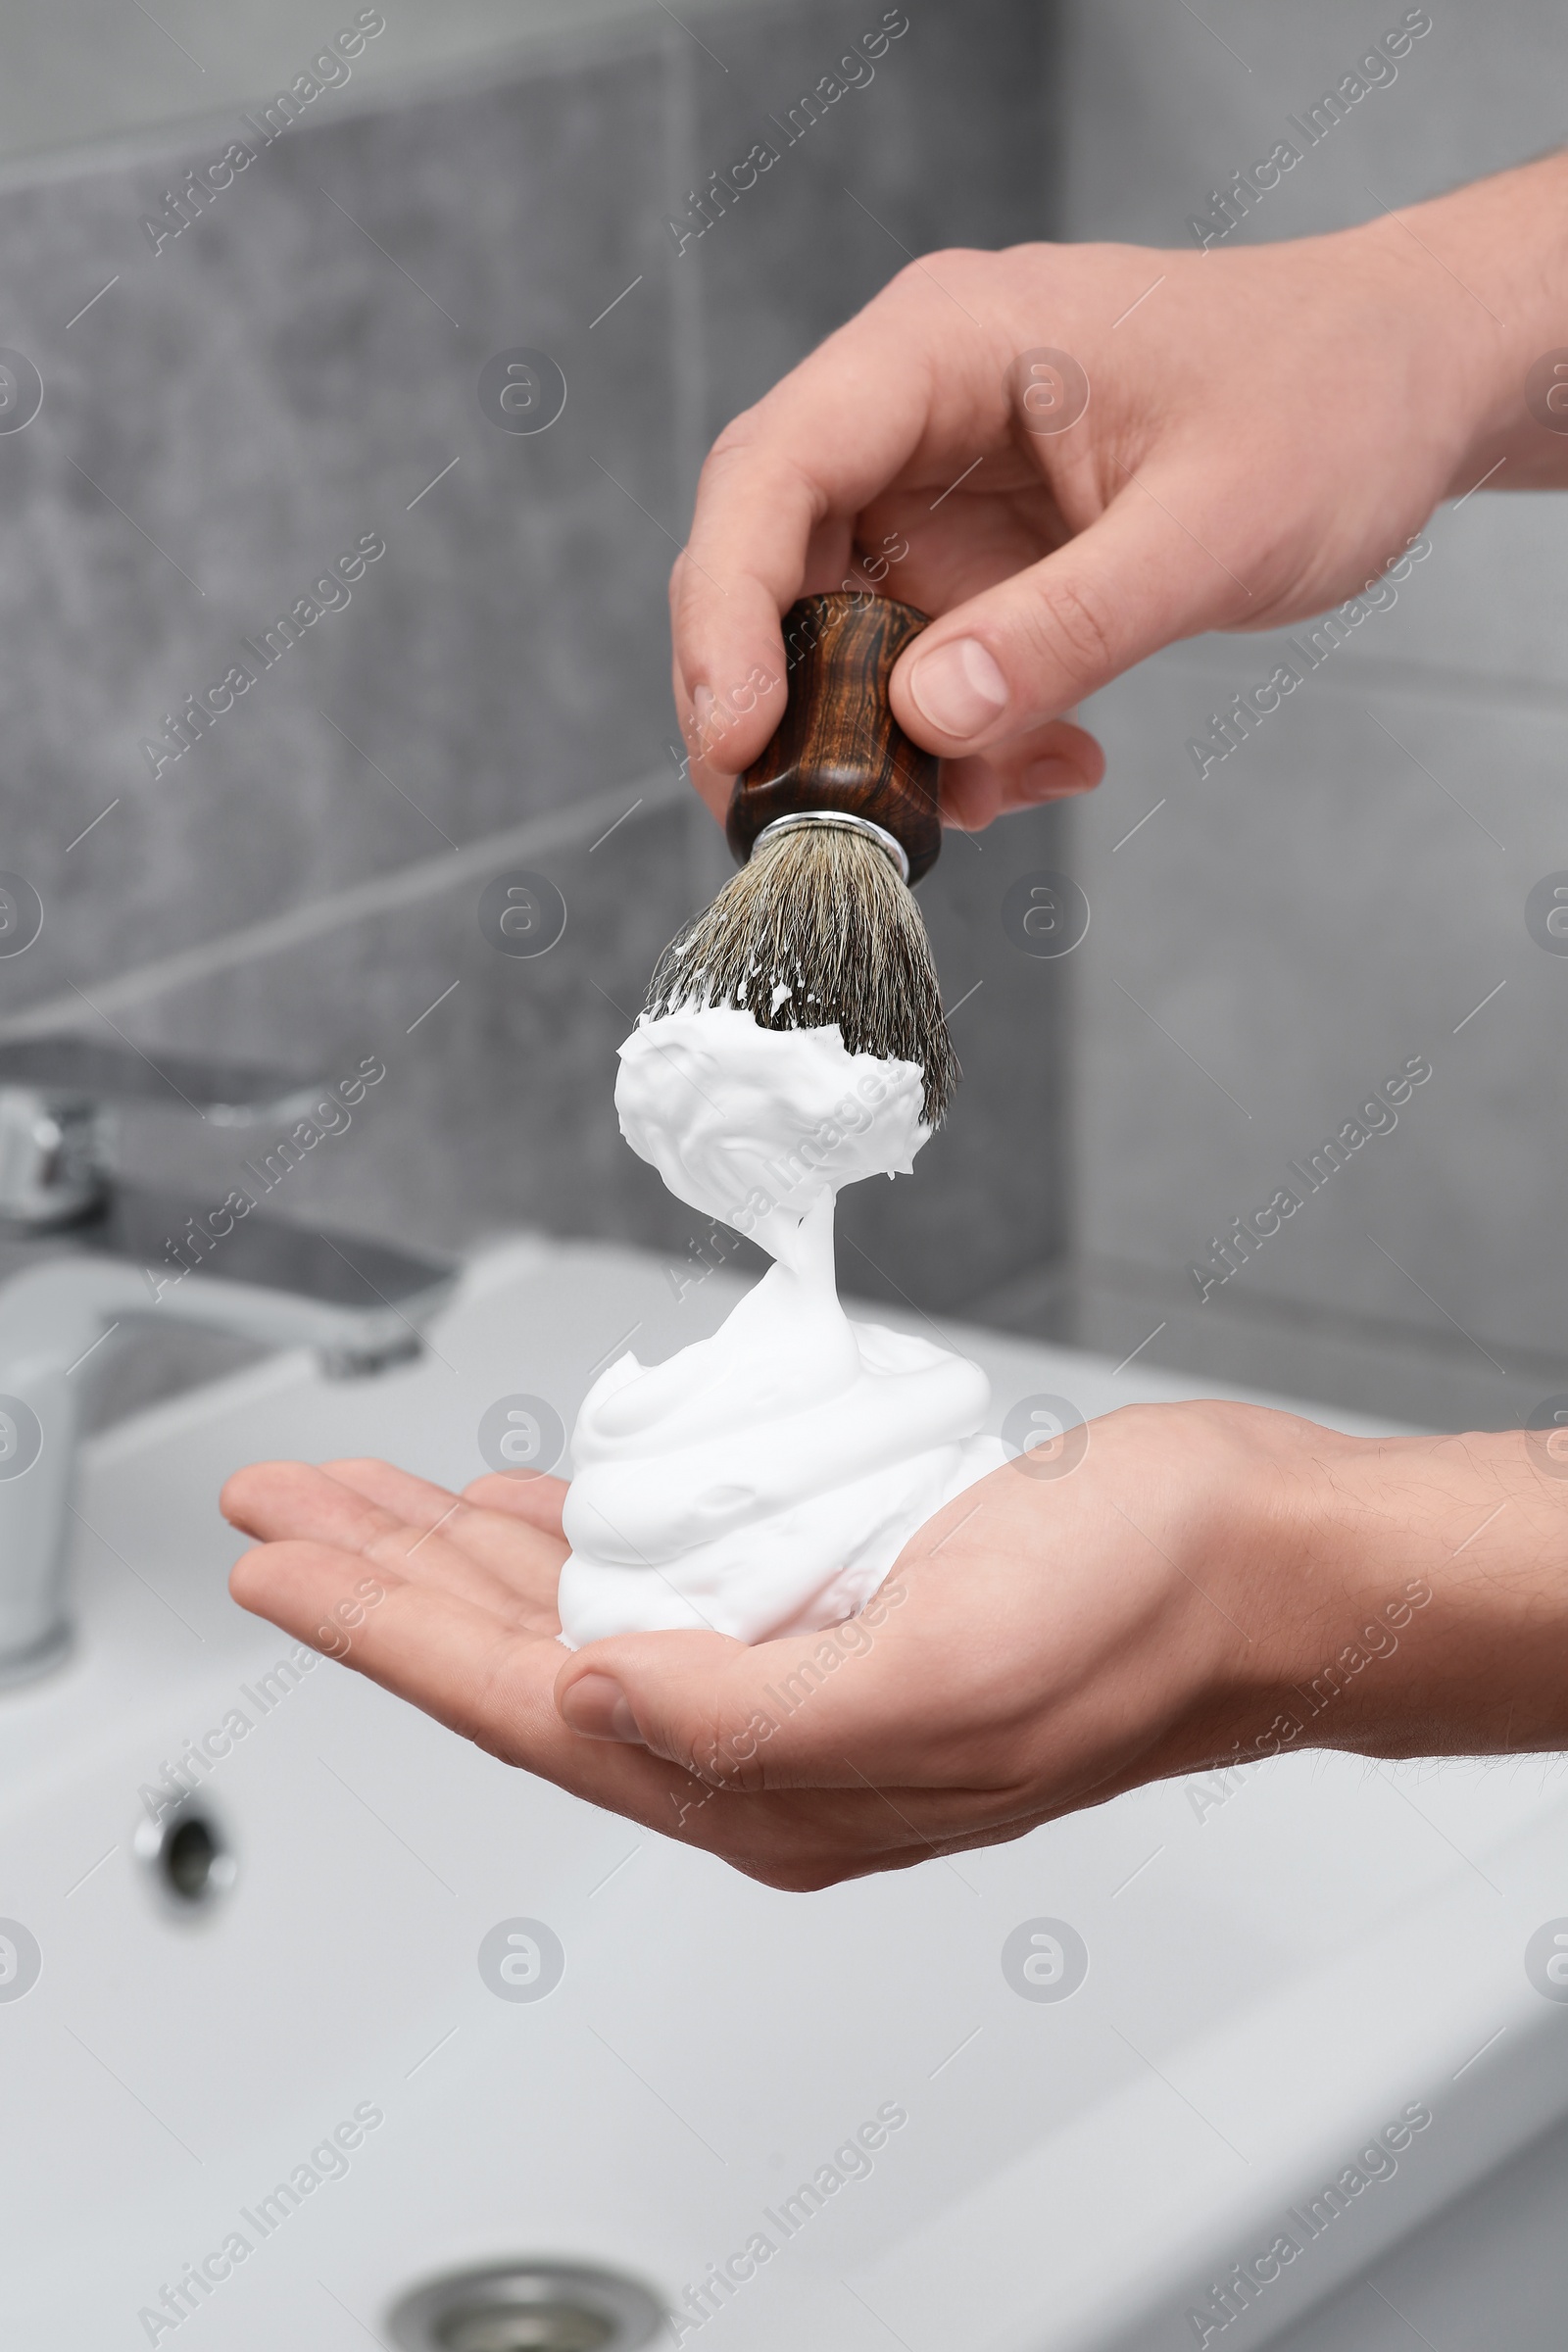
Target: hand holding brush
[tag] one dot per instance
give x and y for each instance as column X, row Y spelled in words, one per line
column 834, row 822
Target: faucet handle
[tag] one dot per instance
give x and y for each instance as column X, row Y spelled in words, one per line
column 55, row 1091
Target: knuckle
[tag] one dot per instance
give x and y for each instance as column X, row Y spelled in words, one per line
column 733, row 443
column 915, row 279
column 1074, row 629
column 724, row 1750
column 389, row 1545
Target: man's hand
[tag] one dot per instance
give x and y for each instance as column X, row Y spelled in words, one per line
column 1211, row 1584
column 1266, row 428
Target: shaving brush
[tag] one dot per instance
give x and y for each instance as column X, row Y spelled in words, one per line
column 831, row 825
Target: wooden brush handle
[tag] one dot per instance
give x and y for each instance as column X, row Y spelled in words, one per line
column 838, row 744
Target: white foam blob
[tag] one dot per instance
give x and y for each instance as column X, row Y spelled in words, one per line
column 764, row 1481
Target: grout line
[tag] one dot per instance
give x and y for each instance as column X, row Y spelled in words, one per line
column 549, row 52
column 1014, row 1309
column 276, row 934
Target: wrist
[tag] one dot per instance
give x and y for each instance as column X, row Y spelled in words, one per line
column 1429, row 1578
column 1485, row 270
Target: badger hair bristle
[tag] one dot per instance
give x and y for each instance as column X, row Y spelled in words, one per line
column 818, row 927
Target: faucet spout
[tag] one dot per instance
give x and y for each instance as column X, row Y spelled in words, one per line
column 361, row 1304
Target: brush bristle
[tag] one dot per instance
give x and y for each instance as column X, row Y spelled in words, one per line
column 817, row 928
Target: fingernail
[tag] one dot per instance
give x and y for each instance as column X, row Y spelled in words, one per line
column 1048, row 779
column 596, row 1706
column 958, row 687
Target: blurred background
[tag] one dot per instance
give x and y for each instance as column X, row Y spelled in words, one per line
column 244, row 382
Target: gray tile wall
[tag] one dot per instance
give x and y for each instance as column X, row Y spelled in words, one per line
column 297, row 369
column 1344, row 890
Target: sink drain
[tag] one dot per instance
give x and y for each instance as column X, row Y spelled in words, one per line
column 188, row 1856
column 527, row 2307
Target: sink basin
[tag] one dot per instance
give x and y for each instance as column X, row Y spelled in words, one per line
column 260, row 2093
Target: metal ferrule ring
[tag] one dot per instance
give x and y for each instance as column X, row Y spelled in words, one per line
column 887, row 841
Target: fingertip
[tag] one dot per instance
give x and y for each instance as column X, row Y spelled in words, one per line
column 1049, row 779
column 596, row 1707
column 725, row 725
column 951, row 696
column 247, row 1578
column 1063, row 759
column 231, row 1497
column 1049, row 763
column 972, row 795
column 242, row 1491
column 1085, row 750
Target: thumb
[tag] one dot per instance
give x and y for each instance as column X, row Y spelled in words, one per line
column 1033, row 645
column 813, row 1711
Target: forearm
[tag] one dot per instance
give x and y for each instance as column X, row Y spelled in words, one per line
column 1422, row 1595
column 1489, row 264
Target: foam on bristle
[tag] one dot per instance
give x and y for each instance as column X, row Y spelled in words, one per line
column 817, row 927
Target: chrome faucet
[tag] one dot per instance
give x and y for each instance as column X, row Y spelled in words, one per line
column 84, row 1257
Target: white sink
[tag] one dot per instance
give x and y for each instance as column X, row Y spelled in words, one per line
column 1271, row 1980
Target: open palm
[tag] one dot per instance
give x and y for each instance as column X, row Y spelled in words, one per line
column 1040, row 1645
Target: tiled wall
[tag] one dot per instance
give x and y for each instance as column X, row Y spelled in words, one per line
column 1341, row 893
column 295, row 374
column 298, row 370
